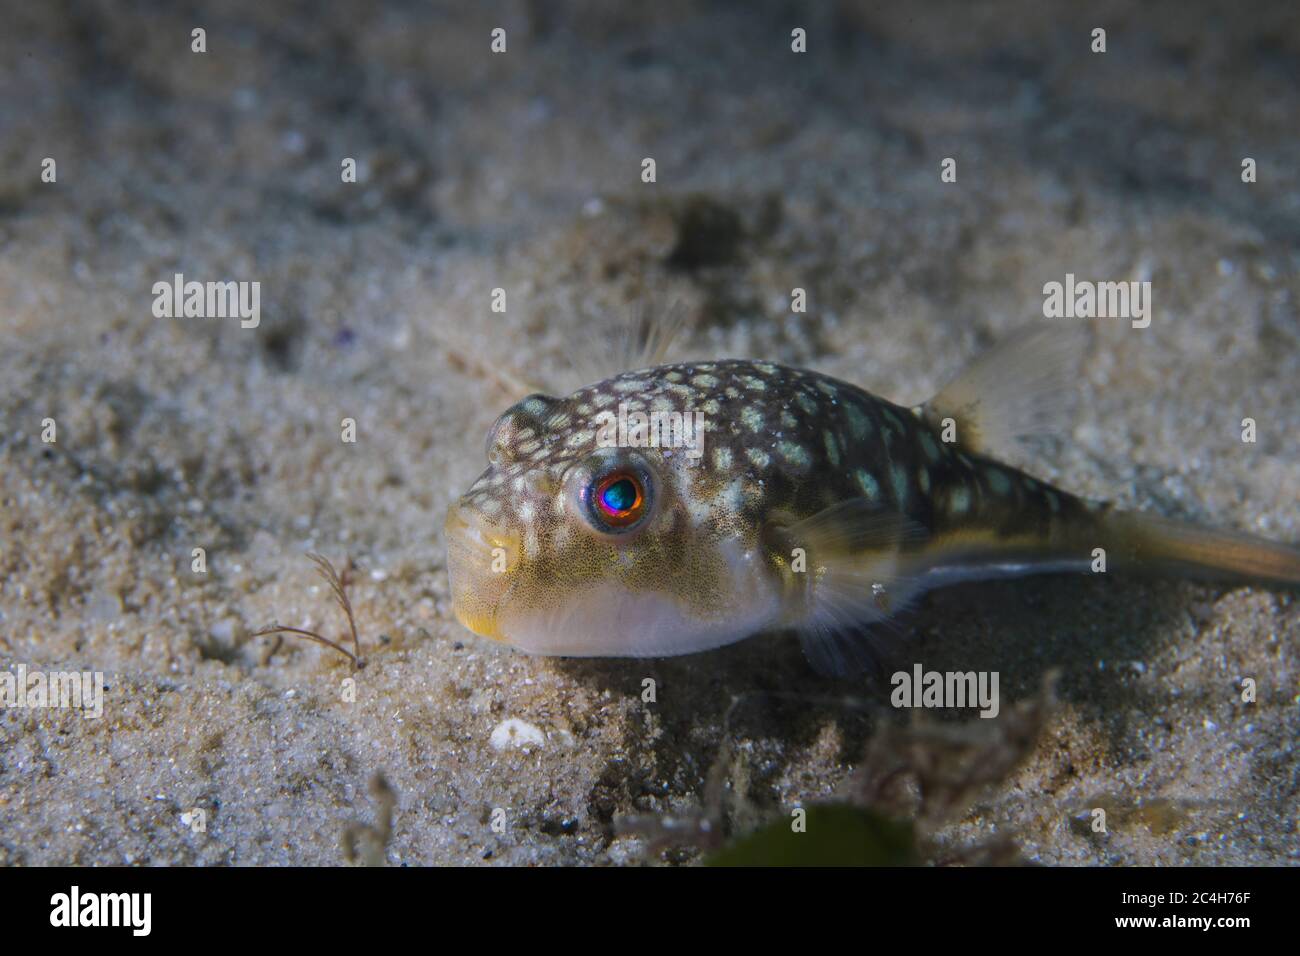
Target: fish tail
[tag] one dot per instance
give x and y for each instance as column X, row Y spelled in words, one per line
column 1160, row 545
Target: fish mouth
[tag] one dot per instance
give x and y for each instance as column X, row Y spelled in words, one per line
column 480, row 557
column 480, row 625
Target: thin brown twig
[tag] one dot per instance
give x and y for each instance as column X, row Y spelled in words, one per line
column 338, row 587
column 310, row 635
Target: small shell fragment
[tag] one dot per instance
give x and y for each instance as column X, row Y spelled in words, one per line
column 513, row 732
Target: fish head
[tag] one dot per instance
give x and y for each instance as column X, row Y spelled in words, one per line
column 573, row 543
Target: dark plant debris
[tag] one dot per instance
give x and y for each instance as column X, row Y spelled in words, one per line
column 338, row 584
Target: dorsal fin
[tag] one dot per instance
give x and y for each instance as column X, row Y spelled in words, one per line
column 1023, row 387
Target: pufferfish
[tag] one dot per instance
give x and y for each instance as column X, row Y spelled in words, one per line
column 810, row 505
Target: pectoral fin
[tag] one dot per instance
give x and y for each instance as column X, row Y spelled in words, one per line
column 845, row 570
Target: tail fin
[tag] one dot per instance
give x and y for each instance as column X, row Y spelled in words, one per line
column 1150, row 543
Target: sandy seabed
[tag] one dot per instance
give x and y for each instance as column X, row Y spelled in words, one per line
column 521, row 171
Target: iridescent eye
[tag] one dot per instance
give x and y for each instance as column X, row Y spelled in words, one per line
column 618, row 500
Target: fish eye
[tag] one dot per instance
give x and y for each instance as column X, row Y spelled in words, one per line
column 617, row 500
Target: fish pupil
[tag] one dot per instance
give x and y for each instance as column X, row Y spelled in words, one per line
column 620, row 496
